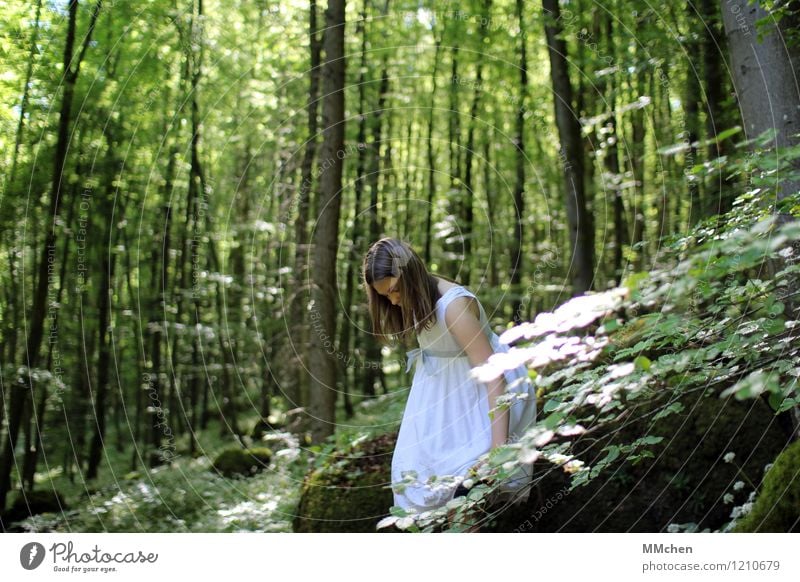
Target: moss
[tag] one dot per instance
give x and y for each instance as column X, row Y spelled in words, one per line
column 242, row 462
column 777, row 508
column 349, row 492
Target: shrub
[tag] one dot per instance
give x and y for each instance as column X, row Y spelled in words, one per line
column 242, row 462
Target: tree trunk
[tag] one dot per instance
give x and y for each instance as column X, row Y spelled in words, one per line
column 718, row 113
column 322, row 363
column 766, row 68
column 297, row 392
column 612, row 161
column 580, row 232
column 691, row 132
column 764, row 71
column 518, row 241
column 354, row 251
column 426, row 255
column 373, row 350
column 466, row 199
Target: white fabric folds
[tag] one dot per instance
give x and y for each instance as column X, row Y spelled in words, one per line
column 446, row 425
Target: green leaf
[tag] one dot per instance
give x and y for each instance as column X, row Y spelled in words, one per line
column 728, row 133
column 550, row 405
column 552, row 421
column 673, row 408
column 642, row 363
column 613, row 453
column 649, row 440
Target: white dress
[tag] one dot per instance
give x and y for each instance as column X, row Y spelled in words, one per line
column 446, row 425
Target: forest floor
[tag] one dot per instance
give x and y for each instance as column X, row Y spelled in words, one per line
column 189, row 495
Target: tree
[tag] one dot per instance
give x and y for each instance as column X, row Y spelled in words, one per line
column 764, row 68
column 322, row 358
column 581, row 234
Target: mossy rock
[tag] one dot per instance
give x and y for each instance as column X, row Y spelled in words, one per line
column 349, row 493
column 777, row 507
column 35, row 503
column 242, row 462
column 684, row 482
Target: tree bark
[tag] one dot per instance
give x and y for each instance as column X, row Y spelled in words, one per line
column 718, row 113
column 426, row 255
column 580, row 232
column 322, row 363
column 297, row 393
column 517, row 242
column 764, row 78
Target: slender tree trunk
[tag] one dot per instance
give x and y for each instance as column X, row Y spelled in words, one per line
column 612, row 161
column 426, row 255
column 450, row 244
column 354, row 251
column 636, row 160
column 322, row 363
column 518, row 241
column 580, row 232
column 691, row 132
column 718, row 113
column 373, row 351
column 297, row 393
column 467, row 192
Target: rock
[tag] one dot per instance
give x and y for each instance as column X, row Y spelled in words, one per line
column 34, row 503
column 685, row 482
column 349, row 492
column 777, row 507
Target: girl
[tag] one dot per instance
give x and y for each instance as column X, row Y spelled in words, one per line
column 446, row 424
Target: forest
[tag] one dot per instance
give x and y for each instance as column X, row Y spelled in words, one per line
column 188, row 189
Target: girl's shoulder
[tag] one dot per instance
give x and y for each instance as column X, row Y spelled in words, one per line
column 456, row 291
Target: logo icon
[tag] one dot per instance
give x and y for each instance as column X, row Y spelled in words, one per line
column 31, row 555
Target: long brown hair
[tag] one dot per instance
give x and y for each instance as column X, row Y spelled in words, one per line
column 419, row 291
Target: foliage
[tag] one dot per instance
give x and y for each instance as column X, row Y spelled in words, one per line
column 708, row 319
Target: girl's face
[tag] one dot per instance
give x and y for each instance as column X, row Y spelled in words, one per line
column 388, row 288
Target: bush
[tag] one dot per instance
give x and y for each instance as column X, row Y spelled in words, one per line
column 242, row 462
